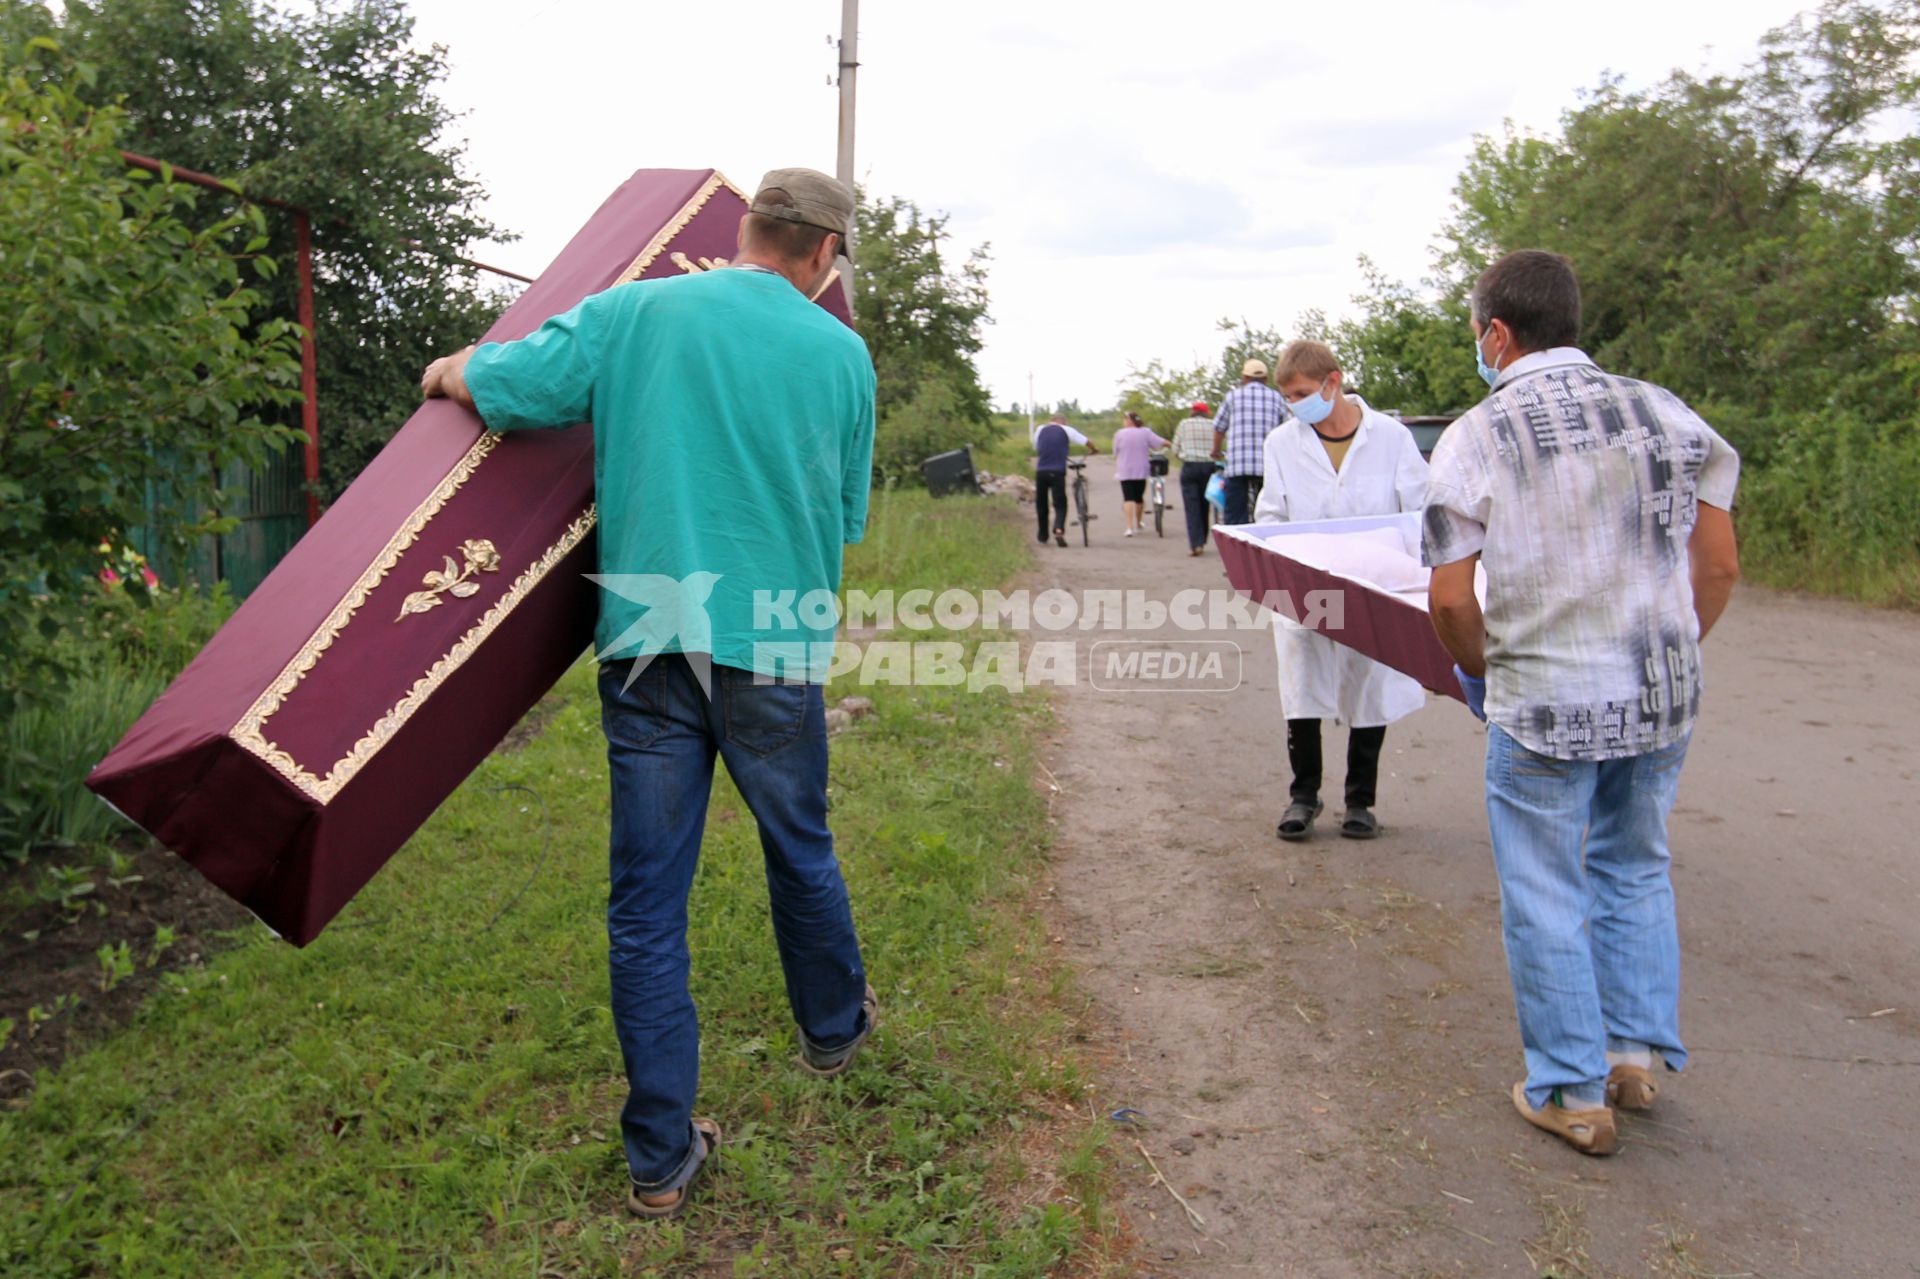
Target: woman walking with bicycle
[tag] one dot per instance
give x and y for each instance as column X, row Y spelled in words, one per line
column 1132, row 444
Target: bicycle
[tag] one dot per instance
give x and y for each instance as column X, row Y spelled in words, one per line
column 1158, row 465
column 1080, row 510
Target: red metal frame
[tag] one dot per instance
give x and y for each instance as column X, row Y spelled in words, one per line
column 309, row 361
column 303, row 264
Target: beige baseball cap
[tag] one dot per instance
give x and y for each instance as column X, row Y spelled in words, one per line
column 814, row 198
column 1254, row 368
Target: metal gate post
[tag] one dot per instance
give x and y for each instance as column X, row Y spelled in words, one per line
column 309, row 369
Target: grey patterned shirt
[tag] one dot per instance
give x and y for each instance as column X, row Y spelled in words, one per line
column 1578, row 490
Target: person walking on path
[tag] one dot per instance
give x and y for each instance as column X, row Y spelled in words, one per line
column 1599, row 507
column 1053, row 440
column 676, row 377
column 1195, row 444
column 1133, row 445
column 1248, row 414
column 1337, row 457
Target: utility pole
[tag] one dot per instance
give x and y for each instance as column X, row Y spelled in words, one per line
column 1029, row 405
column 849, row 66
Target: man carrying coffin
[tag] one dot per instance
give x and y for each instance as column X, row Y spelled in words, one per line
column 1335, row 457
column 733, row 441
column 1601, row 510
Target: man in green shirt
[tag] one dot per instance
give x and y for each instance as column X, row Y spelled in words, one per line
column 733, row 445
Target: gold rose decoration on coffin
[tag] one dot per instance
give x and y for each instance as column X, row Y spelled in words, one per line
column 455, row 579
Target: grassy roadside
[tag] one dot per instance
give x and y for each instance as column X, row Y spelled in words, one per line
column 427, row 1091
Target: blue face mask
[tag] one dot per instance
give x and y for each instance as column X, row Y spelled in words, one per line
column 1488, row 373
column 1314, row 409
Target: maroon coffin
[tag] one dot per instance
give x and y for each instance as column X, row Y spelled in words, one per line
column 412, row 627
column 1394, row 630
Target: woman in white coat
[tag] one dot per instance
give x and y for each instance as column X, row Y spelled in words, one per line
column 1335, row 457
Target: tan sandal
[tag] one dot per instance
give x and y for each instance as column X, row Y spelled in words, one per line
column 1588, row 1131
column 675, row 1202
column 1631, row 1087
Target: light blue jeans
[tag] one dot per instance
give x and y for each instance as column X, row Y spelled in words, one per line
column 1586, row 907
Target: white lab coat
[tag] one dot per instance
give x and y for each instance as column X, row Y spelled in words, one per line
column 1383, row 474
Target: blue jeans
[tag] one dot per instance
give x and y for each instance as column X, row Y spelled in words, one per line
column 662, row 735
column 1242, row 492
column 1193, row 499
column 1586, row 907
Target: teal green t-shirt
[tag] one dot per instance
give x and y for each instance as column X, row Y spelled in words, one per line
column 733, row 449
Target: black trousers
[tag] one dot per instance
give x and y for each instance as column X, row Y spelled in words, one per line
column 1242, row 492
column 1193, row 499
column 1363, row 761
column 1050, row 484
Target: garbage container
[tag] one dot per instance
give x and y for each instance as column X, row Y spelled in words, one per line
column 950, row 473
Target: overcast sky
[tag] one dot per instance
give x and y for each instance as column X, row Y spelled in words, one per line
column 1139, row 170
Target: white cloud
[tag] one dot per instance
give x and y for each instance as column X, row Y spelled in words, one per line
column 1140, row 170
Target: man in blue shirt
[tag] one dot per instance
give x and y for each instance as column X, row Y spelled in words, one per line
column 1053, row 440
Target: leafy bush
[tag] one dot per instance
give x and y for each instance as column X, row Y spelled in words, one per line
column 120, row 657
column 130, row 342
column 934, row 420
column 334, row 108
column 1836, row 507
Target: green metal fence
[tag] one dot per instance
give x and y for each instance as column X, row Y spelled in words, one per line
column 269, row 500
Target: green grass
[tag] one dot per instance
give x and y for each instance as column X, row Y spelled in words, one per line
column 418, row 1094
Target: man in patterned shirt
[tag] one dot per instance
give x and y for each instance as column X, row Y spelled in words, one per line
column 1247, row 414
column 1600, row 508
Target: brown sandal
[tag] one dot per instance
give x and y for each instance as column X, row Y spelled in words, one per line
column 709, row 1133
column 1631, row 1087
column 1588, row 1131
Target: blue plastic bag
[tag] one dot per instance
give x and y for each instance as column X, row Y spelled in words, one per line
column 1217, row 491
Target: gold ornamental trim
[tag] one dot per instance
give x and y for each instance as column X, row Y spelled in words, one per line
column 248, row 730
column 676, row 224
column 345, row 769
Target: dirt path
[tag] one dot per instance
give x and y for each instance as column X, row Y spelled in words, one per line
column 1321, row 1035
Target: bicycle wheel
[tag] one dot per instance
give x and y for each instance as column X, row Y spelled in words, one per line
column 1159, row 508
column 1080, row 507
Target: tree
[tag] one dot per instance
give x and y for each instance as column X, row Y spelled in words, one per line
column 1162, row 395
column 921, row 317
column 335, row 111
column 1405, row 354
column 1753, row 242
column 1746, row 238
column 1244, row 342
column 131, row 342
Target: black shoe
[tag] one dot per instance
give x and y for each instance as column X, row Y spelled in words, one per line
column 1360, row 823
column 1042, row 539
column 1059, row 537
column 1297, row 822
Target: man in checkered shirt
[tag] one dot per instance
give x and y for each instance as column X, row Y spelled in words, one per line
column 1248, row 413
